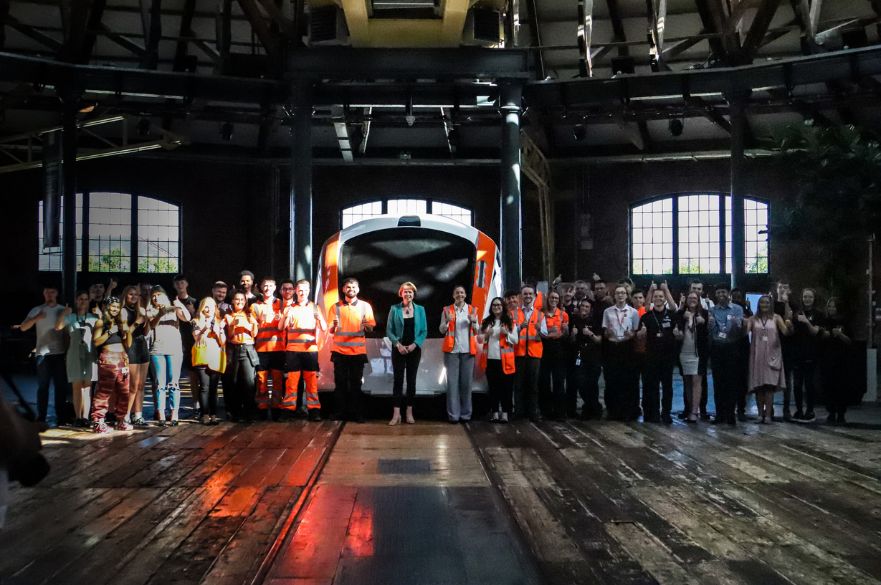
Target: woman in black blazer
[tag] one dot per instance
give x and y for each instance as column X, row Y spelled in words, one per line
column 693, row 348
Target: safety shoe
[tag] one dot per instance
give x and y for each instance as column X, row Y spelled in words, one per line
column 315, row 414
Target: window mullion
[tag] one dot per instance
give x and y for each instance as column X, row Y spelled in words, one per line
column 133, row 246
column 676, row 235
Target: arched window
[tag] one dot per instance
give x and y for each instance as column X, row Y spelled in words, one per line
column 356, row 213
column 124, row 233
column 691, row 234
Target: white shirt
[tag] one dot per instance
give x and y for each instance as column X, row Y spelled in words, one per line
column 49, row 341
column 493, row 349
column 463, row 330
column 620, row 321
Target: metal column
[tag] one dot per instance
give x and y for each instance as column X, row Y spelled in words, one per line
column 300, row 243
column 738, row 174
column 510, row 224
column 68, row 234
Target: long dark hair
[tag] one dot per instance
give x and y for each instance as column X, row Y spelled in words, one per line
column 505, row 318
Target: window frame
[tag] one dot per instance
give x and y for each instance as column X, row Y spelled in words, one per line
column 85, row 226
column 723, row 197
column 384, row 201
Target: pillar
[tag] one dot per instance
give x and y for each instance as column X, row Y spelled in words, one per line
column 300, row 242
column 510, row 224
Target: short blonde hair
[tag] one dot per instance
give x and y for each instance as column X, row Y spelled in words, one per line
column 407, row 284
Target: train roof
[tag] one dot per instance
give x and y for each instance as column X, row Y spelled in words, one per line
column 435, row 222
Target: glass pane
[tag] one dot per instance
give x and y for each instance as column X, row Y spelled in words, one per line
column 158, row 236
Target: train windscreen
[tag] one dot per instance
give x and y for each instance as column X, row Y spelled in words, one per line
column 434, row 261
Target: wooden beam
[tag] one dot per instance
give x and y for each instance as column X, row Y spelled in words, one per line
column 151, row 22
column 33, row 34
column 186, row 29
column 657, row 16
column 617, row 27
column 74, row 18
column 123, row 42
column 96, row 14
column 712, row 14
column 758, row 28
column 284, row 24
column 260, row 27
column 584, row 35
column 4, row 14
column 535, row 33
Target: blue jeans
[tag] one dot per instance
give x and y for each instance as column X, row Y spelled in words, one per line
column 167, row 369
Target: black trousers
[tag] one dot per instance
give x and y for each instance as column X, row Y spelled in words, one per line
column 657, row 376
column 242, row 369
column 622, row 382
column 500, row 386
column 526, row 387
column 572, row 387
column 348, row 370
column 804, row 384
column 587, row 383
column 552, row 382
column 208, row 381
column 725, row 360
column 405, row 364
column 52, row 369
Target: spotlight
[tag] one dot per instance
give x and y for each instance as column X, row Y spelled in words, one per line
column 579, row 132
column 144, row 127
column 676, row 126
column 226, row 131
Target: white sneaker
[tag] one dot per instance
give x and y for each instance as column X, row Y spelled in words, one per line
column 494, row 417
column 504, row 417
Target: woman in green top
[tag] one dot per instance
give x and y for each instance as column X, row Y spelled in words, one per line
column 80, row 360
column 406, row 329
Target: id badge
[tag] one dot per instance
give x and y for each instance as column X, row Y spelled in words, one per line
column 659, row 335
column 723, row 335
column 578, row 361
column 765, row 338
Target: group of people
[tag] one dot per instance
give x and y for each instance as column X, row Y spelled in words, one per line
column 539, row 353
column 638, row 340
column 101, row 351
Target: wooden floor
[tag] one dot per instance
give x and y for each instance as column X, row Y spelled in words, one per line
column 179, row 505
column 640, row 503
column 556, row 503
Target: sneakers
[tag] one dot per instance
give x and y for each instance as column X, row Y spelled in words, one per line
column 809, row 416
column 124, row 425
column 494, row 417
column 666, row 418
column 140, row 423
column 100, row 428
column 315, row 414
column 799, row 416
column 503, row 418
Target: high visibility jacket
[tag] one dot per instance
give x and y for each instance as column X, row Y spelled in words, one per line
column 450, row 335
column 529, row 343
column 270, row 333
column 507, row 354
column 348, row 338
column 302, row 326
column 556, row 320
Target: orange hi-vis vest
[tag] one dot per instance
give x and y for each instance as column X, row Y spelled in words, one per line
column 450, row 335
column 348, row 338
column 302, row 325
column 506, row 351
column 529, row 344
column 270, row 333
column 556, row 320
